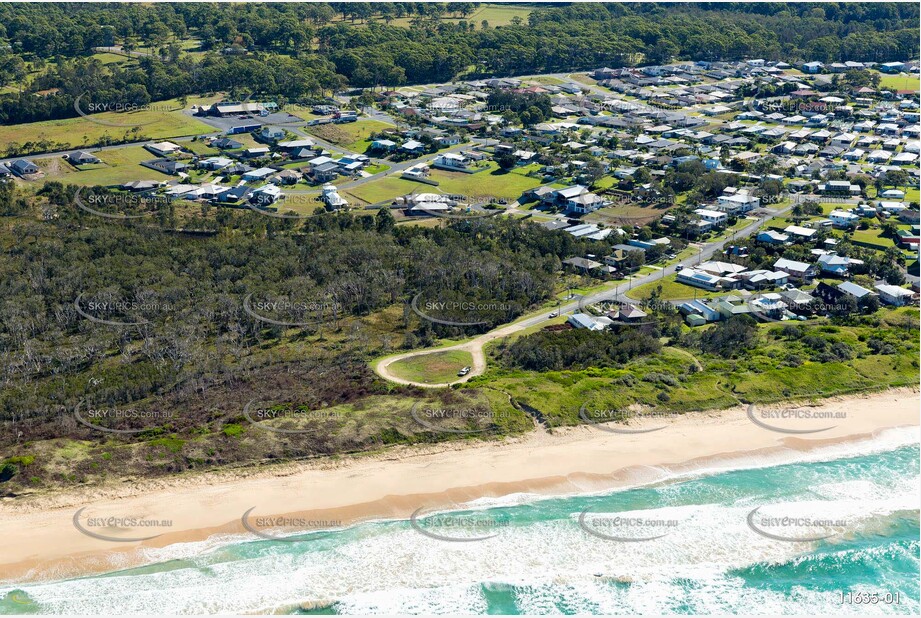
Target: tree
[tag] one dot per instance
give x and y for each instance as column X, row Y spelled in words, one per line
column 506, row 161
column 384, row 221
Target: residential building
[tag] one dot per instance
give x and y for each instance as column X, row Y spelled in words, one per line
column 796, row 270
column 894, row 295
column 843, row 218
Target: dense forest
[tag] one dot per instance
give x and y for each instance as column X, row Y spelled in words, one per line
column 306, row 51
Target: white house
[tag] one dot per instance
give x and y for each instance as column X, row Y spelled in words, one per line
column 843, row 218
column 737, row 204
column 714, row 217
column 894, row 295
column 584, row 203
column 162, row 149
column 452, row 161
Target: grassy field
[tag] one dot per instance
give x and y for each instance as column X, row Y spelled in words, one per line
column 491, row 182
column 432, row 368
column 387, row 188
column 899, row 82
column 164, row 121
column 353, row 136
column 120, row 165
column 495, row 14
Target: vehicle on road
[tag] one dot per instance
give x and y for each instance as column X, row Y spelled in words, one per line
column 463, row 371
column 555, row 314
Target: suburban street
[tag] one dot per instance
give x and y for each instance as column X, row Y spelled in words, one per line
column 476, row 345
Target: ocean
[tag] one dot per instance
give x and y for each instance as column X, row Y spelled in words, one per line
column 833, row 531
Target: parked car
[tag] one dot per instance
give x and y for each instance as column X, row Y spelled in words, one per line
column 463, row 371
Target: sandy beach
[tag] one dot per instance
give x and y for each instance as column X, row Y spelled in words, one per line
column 52, row 536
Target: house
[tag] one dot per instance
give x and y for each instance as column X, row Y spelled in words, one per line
column 700, row 309
column 843, row 218
column 839, row 187
column 897, row 194
column 583, row 320
column 272, row 134
column 730, row 306
column 385, row 145
column 259, row 174
column 713, row 217
column 763, row 279
column 584, row 203
column 891, row 67
column 772, row 238
column 582, row 264
column 699, row 279
column 163, row 149
column 22, row 167
column 215, row 163
column 167, row 166
column 829, row 296
column 225, row 143
column 81, row 157
column 894, row 295
column 857, row 291
column 737, row 204
column 813, row 67
column 800, row 233
column 266, row 195
column 452, row 161
column 836, row 264
column 235, row 195
column 629, row 314
column 797, row 301
column 413, row 147
column 289, row 177
column 330, row 196
column 723, row 269
column 796, row 270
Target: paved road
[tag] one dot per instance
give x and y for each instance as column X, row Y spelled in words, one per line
column 475, row 346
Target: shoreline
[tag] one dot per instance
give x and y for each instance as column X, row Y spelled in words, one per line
column 42, row 542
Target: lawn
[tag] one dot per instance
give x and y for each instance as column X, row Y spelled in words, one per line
column 491, row 182
column 672, row 290
column 434, row 368
column 120, row 165
column 899, row 82
column 164, row 120
column 352, row 136
column 872, row 237
column 384, row 189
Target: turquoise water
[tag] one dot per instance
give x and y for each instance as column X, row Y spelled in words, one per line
column 706, row 560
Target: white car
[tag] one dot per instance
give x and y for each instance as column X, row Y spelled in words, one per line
column 463, row 371
column 555, row 314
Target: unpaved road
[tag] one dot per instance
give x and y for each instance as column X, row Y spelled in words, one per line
column 475, row 346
